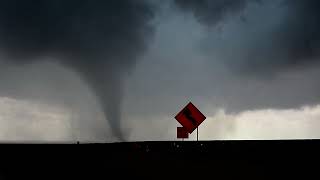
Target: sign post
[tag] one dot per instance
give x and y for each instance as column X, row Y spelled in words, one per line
column 190, row 118
column 197, row 134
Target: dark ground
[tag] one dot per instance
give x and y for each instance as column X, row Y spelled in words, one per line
column 164, row 160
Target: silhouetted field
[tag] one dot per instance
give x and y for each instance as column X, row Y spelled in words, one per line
column 163, row 160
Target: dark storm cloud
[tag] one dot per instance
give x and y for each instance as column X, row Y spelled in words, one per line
column 259, row 75
column 212, row 12
column 293, row 42
column 100, row 40
column 298, row 38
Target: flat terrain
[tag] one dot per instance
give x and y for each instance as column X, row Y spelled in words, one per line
column 163, row 160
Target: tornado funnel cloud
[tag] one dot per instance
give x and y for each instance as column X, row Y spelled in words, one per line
column 100, row 40
column 108, row 90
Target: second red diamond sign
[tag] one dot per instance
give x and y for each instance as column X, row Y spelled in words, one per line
column 190, row 117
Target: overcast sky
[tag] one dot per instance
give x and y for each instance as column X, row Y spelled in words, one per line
column 121, row 70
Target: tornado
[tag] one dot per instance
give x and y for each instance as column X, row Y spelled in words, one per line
column 99, row 40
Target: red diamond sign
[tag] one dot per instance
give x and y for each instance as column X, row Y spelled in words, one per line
column 190, row 117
